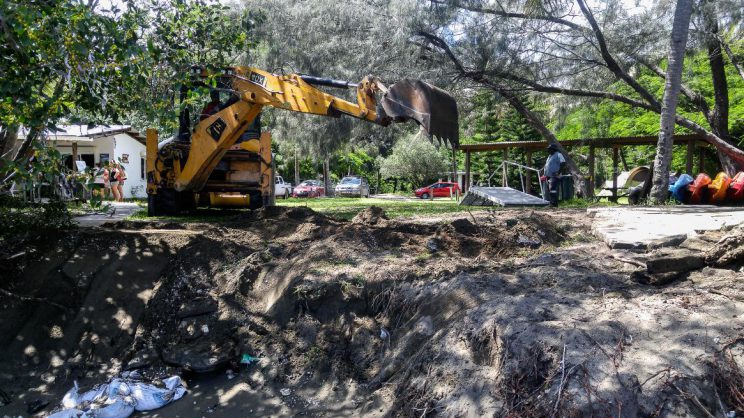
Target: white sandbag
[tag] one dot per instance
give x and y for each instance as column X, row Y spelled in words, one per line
column 118, row 408
column 148, row 397
column 67, row 413
column 118, row 388
column 93, row 395
column 73, row 398
column 70, row 400
column 175, row 383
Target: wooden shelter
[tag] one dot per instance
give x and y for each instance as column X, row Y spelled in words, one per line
column 692, row 142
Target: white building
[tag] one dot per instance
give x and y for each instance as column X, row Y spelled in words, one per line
column 104, row 143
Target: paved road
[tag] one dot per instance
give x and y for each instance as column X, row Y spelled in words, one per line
column 636, row 227
column 120, row 210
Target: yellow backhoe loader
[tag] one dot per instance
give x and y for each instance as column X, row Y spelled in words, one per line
column 223, row 159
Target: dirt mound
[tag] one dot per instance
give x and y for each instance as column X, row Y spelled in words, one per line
column 473, row 316
column 370, row 216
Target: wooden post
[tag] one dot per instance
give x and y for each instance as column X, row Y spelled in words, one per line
column 590, row 161
column 528, row 182
column 503, row 167
column 74, row 156
column 615, row 153
column 454, row 164
column 466, row 186
column 690, row 153
column 701, row 160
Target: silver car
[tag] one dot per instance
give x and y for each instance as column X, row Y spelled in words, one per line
column 352, row 186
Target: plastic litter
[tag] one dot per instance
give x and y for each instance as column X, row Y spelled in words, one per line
column 247, row 359
column 285, row 391
column 384, row 334
column 119, row 398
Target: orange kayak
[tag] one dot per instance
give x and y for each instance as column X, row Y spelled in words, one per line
column 699, row 189
column 718, row 188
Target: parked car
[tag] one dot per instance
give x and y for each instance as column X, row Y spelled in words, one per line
column 439, row 189
column 282, row 189
column 309, row 188
column 353, row 186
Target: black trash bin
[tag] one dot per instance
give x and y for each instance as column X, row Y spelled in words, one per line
column 566, row 187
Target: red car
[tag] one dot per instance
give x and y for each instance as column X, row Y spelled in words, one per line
column 309, row 188
column 439, row 189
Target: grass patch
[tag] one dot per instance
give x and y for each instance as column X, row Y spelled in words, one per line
column 577, row 203
column 200, row 215
column 346, row 208
column 348, row 286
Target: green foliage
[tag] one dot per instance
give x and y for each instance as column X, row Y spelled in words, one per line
column 612, row 119
column 45, row 167
column 176, row 35
column 356, row 163
column 62, row 58
column 57, row 55
column 415, row 159
column 492, row 120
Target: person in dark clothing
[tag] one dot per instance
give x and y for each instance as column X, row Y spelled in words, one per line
column 552, row 173
column 212, row 107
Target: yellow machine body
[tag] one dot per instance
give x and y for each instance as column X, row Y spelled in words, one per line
column 181, row 174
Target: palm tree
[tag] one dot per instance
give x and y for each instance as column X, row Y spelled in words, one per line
column 662, row 162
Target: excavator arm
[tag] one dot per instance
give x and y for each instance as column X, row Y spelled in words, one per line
column 252, row 89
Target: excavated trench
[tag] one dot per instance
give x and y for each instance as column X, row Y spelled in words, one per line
column 506, row 314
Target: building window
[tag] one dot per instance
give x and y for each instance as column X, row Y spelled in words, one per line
column 142, row 168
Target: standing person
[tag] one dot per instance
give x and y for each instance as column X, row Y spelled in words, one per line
column 114, row 180
column 122, row 177
column 552, row 173
column 106, row 180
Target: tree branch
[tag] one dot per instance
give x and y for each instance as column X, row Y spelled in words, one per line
column 731, row 56
column 525, row 16
column 612, row 64
column 696, row 98
column 575, row 92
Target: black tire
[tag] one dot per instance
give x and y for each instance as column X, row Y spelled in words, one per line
column 168, row 202
column 425, row 195
column 151, row 211
column 257, row 201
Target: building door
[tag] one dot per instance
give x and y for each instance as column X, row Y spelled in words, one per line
column 90, row 160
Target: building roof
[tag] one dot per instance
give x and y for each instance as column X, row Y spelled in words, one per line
column 85, row 133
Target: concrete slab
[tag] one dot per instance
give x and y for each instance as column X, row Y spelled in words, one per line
column 501, row 196
column 119, row 211
column 641, row 227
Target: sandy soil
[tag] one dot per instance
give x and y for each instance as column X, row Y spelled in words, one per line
column 509, row 313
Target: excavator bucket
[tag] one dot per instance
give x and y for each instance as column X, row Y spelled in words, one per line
column 431, row 107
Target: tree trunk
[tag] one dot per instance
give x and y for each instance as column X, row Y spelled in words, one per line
column 719, row 117
column 326, row 179
column 8, row 144
column 662, row 162
column 535, row 121
column 296, row 169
